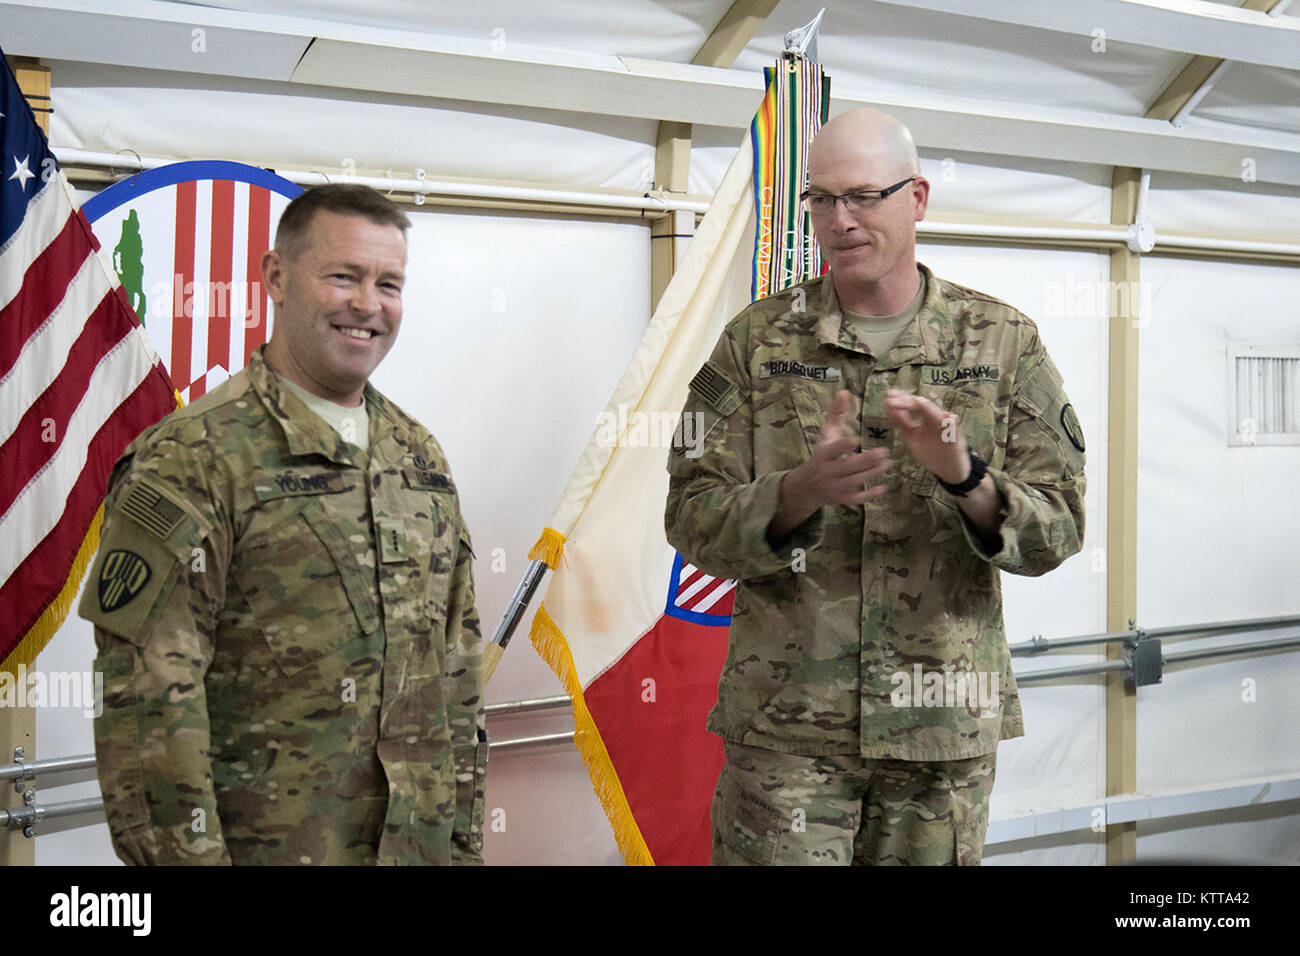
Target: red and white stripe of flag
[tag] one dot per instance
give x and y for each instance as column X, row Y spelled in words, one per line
column 697, row 591
column 219, row 307
column 78, row 381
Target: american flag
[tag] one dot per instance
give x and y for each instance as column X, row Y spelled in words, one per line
column 78, row 381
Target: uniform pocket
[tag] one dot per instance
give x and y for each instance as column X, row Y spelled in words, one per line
column 982, row 424
column 306, row 589
column 969, row 829
column 446, row 546
column 745, row 823
column 780, row 438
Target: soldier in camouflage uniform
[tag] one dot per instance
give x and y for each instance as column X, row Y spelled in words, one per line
column 284, row 605
column 879, row 443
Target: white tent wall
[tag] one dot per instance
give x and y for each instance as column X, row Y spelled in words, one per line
column 1217, row 541
column 517, row 327
column 1061, row 760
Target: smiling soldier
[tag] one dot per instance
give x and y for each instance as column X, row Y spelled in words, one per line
column 871, row 461
column 283, row 598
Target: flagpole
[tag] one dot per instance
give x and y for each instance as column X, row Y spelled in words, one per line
column 514, row 613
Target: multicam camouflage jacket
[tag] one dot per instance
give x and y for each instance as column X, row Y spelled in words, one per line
column 875, row 629
column 288, row 638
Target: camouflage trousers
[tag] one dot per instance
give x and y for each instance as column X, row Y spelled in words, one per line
column 789, row 809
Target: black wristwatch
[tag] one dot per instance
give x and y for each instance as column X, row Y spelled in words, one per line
column 977, row 471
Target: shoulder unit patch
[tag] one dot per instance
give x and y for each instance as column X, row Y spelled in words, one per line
column 1070, row 422
column 122, row 576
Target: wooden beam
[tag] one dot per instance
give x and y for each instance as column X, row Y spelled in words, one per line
column 669, row 236
column 1182, row 87
column 1192, row 77
column 673, row 157
column 1121, row 512
column 34, row 82
column 733, row 32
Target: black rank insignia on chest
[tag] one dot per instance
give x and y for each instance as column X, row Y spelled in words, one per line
column 875, row 432
column 122, row 577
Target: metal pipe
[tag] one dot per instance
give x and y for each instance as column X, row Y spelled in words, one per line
column 419, row 187
column 1110, row 234
column 522, row 743
column 519, row 602
column 29, row 816
column 1224, row 627
column 514, row 613
column 423, row 188
column 1179, row 656
column 1171, row 242
column 1082, row 669
column 510, row 708
column 30, row 769
column 1040, row 644
column 1106, row 235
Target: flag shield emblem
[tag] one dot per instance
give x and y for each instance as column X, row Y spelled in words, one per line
column 698, row 597
column 186, row 241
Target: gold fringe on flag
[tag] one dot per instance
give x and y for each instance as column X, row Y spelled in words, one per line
column 52, row 618
column 549, row 547
column 550, row 643
column 34, row 641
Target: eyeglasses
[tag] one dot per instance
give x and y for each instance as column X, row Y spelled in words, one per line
column 860, row 200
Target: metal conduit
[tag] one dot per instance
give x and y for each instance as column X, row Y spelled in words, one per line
column 527, row 743
column 1038, row 644
column 511, row 708
column 419, row 187
column 651, row 203
column 1082, row 669
column 29, row 770
column 1179, row 657
column 1225, row 627
column 27, row 817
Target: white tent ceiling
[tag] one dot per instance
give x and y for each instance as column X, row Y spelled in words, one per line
column 1032, row 79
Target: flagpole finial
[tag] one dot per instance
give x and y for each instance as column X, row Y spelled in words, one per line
column 803, row 41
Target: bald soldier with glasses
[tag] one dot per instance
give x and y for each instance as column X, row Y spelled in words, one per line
column 879, row 444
